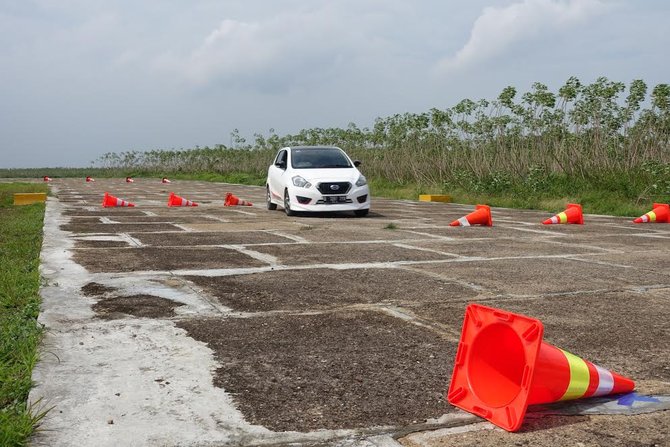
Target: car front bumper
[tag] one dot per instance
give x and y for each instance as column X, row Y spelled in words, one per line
column 310, row 199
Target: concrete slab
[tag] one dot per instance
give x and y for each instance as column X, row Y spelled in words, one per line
column 241, row 326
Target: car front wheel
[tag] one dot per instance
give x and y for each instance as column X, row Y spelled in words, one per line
column 271, row 206
column 287, row 204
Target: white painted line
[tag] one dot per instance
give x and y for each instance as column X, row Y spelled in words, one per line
column 107, row 220
column 150, row 213
column 263, row 257
column 131, row 240
column 183, row 227
column 292, row 237
column 244, row 212
column 429, row 250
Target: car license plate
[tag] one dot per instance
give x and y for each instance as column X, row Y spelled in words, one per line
column 334, row 199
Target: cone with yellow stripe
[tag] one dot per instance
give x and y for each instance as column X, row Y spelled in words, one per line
column 480, row 216
column 660, row 213
column 175, row 200
column 572, row 215
column 502, row 366
column 109, row 201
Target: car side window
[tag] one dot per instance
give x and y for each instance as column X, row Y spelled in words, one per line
column 281, row 158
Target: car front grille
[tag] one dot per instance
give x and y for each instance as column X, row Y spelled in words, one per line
column 334, row 188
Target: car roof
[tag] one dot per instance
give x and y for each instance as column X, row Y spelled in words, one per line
column 313, row 147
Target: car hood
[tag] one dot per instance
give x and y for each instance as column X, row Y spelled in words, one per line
column 329, row 175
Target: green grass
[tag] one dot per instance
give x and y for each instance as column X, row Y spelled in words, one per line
column 20, row 334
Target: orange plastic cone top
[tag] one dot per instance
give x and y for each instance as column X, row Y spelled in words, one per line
column 89, row 179
column 129, row 180
column 481, row 216
column 111, row 201
column 502, row 366
column 572, row 215
column 165, row 180
column 175, row 200
column 231, row 200
column 46, row 178
column 660, row 213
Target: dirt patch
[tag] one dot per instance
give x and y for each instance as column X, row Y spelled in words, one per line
column 83, row 243
column 329, row 371
column 210, row 238
column 141, row 306
column 297, row 254
column 328, row 288
column 155, row 258
column 96, row 289
column 76, row 227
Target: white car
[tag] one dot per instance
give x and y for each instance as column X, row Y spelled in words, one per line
column 316, row 179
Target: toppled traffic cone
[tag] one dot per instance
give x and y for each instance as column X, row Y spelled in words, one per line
column 165, row 180
column 46, row 178
column 111, row 201
column 481, row 216
column 129, row 180
column 660, row 213
column 175, row 200
column 572, row 215
column 89, row 179
column 231, row 200
column 502, row 366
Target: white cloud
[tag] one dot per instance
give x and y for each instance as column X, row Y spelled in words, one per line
column 280, row 50
column 497, row 30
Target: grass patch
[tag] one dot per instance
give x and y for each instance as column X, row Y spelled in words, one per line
column 20, row 334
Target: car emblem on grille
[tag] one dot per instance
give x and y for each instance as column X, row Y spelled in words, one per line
column 334, row 187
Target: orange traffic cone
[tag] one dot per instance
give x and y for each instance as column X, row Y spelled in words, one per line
column 89, row 179
column 572, row 215
column 502, row 366
column 111, row 201
column 46, row 178
column 165, row 180
column 660, row 213
column 129, row 180
column 231, row 200
column 481, row 216
column 175, row 200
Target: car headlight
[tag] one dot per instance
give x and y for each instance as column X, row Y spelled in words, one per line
column 362, row 181
column 301, row 182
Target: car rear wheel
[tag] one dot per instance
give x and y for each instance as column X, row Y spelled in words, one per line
column 287, row 204
column 271, row 206
column 362, row 213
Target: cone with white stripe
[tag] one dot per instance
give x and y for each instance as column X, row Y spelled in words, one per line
column 89, row 179
column 175, row 200
column 480, row 216
column 165, row 180
column 130, row 180
column 46, row 178
column 502, row 366
column 110, row 201
column 572, row 215
column 232, row 200
column 660, row 213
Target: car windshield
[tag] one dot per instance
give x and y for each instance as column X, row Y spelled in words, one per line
column 319, row 158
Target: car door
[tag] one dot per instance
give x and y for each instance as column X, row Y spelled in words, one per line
column 276, row 175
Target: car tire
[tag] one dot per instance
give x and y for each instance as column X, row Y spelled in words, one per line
column 287, row 204
column 362, row 213
column 271, row 206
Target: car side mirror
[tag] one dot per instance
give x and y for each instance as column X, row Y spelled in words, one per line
column 281, row 165
column 357, row 163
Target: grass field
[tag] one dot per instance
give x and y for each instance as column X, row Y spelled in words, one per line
column 20, row 334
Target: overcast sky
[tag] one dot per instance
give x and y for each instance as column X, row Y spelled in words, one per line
column 79, row 78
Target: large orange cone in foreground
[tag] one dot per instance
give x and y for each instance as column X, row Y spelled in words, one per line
column 572, row 215
column 660, row 213
column 232, row 200
column 481, row 216
column 111, row 201
column 175, row 200
column 502, row 366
